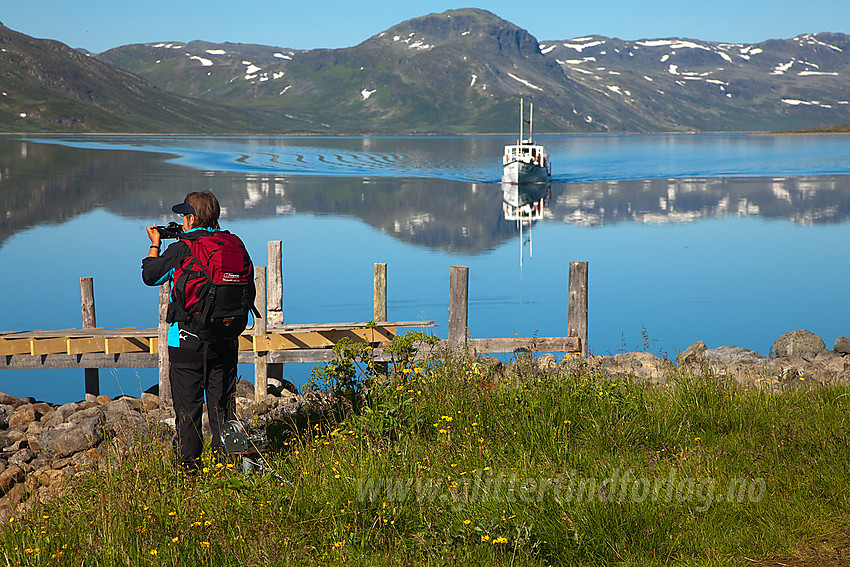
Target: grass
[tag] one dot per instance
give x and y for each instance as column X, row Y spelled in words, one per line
column 453, row 465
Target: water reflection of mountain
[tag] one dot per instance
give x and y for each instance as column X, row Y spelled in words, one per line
column 43, row 183
column 805, row 200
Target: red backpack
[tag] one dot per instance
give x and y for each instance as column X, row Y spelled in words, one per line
column 214, row 286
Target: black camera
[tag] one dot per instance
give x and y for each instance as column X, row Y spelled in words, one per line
column 171, row 230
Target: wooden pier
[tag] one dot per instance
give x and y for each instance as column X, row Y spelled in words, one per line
column 269, row 343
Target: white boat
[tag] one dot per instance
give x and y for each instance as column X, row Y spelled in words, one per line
column 525, row 161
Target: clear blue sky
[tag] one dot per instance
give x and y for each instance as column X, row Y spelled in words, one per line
column 98, row 25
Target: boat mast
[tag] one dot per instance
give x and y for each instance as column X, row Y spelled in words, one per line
column 530, row 123
column 520, row 122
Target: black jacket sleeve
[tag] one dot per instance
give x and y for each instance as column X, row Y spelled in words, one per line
column 156, row 271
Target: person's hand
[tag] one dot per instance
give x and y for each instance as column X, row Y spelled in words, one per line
column 153, row 234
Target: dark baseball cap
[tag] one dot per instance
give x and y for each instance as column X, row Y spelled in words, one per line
column 184, row 208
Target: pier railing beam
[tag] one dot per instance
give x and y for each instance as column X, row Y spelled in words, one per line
column 261, row 377
column 577, row 304
column 92, row 375
column 162, row 340
column 380, row 297
column 458, row 306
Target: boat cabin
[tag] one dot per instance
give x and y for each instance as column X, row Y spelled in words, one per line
column 527, row 153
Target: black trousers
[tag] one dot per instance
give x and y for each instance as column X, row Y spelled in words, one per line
column 189, row 384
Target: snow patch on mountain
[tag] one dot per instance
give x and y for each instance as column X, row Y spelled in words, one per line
column 204, row 62
column 524, row 82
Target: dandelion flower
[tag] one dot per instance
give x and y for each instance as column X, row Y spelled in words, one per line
column 500, row 540
column 467, row 522
column 205, row 544
column 338, row 544
column 485, row 538
column 153, row 552
column 172, row 513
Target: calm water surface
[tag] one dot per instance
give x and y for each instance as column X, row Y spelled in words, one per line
column 726, row 239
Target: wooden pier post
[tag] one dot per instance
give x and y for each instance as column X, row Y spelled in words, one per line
column 577, row 305
column 275, row 291
column 458, row 306
column 275, row 300
column 162, row 340
column 92, row 375
column 261, row 381
column 380, row 297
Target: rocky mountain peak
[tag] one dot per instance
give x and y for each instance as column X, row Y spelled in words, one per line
column 467, row 28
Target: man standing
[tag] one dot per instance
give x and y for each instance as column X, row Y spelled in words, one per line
column 213, row 291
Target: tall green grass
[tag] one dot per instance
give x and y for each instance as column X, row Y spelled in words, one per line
column 452, row 464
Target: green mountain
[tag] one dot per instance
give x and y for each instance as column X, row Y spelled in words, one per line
column 463, row 71
column 46, row 86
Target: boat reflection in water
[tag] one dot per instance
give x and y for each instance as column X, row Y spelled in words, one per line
column 524, row 203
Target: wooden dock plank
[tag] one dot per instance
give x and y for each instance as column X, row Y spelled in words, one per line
column 48, row 346
column 127, row 344
column 15, row 346
column 86, row 344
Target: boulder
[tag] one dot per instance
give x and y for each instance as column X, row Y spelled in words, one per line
column 93, row 412
column 59, row 415
column 802, row 344
column 694, row 354
column 24, row 415
column 244, row 389
column 150, row 401
column 10, row 477
column 6, row 412
column 842, row 345
column 22, row 457
column 7, row 400
column 547, row 361
column 728, row 355
column 72, row 437
column 645, row 366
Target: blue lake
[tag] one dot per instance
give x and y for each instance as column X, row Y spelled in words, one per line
column 727, row 239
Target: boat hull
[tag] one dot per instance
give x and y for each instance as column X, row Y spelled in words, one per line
column 523, row 172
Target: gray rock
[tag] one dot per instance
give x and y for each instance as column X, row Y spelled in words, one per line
column 547, row 361
column 803, row 344
column 842, row 345
column 24, row 415
column 4, row 441
column 6, row 412
column 244, row 389
column 150, row 401
column 489, row 362
column 59, row 415
column 69, row 438
column 645, row 366
column 124, row 418
column 727, row 355
column 10, row 477
column 7, row 400
column 95, row 411
column 22, row 457
column 692, row 355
